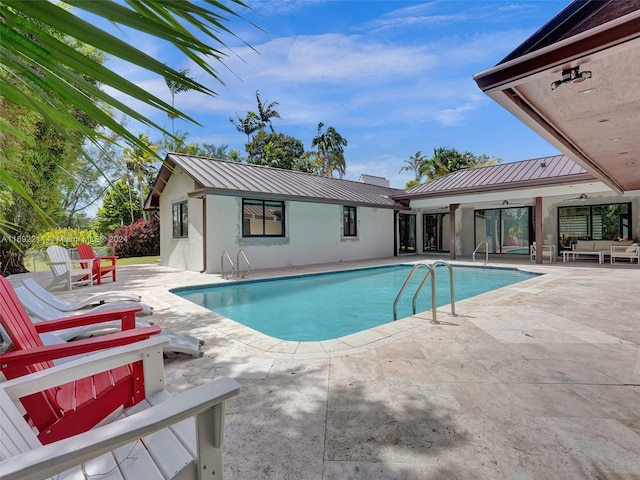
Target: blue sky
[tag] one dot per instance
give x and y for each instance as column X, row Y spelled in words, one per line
column 393, row 77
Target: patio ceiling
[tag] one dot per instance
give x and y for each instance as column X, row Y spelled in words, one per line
column 595, row 121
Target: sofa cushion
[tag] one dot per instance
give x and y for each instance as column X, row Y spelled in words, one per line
column 584, row 245
column 632, row 248
column 602, row 245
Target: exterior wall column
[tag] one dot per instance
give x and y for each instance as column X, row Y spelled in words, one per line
column 452, row 230
column 538, row 229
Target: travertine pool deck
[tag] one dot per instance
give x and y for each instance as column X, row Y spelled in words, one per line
column 538, row 380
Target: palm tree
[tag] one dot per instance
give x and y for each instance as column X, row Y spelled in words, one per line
column 446, row 160
column 266, row 113
column 41, row 68
column 415, row 165
column 247, row 125
column 175, row 87
column 330, row 152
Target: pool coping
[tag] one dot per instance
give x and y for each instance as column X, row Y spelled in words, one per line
column 353, row 343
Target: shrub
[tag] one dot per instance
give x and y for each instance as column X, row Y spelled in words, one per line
column 141, row 238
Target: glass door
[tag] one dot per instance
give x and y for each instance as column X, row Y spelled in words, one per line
column 407, row 233
column 436, row 232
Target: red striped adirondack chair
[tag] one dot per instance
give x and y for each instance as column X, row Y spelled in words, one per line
column 75, row 407
column 100, row 268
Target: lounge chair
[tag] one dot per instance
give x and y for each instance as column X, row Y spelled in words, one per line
column 66, row 306
column 170, row 437
column 39, row 311
column 67, row 270
column 70, row 408
column 99, row 268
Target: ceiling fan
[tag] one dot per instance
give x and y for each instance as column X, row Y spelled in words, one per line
column 582, row 196
column 507, row 203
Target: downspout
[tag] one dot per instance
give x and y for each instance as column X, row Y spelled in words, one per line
column 204, row 234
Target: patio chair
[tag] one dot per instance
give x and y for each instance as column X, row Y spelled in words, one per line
column 74, row 407
column 39, row 311
column 67, row 270
column 549, row 250
column 66, row 306
column 632, row 252
column 99, row 268
column 162, row 437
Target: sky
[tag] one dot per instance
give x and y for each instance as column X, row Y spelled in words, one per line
column 392, row 77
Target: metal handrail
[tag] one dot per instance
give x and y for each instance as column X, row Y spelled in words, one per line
column 451, row 284
column 486, row 251
column 233, row 267
column 238, row 263
column 406, row 283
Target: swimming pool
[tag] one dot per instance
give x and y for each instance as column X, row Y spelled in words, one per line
column 331, row 305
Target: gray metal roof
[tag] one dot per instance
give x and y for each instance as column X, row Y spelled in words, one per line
column 555, row 170
column 222, row 177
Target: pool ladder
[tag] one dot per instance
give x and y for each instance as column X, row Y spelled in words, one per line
column 486, row 251
column 233, row 266
column 429, row 274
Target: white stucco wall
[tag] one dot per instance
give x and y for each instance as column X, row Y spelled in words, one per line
column 313, row 234
column 183, row 253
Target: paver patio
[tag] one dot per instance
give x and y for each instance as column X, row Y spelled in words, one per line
column 538, row 380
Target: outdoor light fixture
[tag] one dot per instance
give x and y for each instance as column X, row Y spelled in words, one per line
column 571, row 75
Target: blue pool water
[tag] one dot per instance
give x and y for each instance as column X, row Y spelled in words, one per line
column 330, row 305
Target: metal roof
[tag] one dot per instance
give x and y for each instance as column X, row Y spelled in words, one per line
column 221, row 177
column 543, row 171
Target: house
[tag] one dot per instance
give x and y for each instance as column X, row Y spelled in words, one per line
column 210, row 210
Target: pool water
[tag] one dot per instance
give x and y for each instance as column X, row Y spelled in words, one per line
column 331, row 305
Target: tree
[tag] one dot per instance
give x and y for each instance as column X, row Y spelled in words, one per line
column 266, row 112
column 40, row 64
column 414, row 165
column 175, row 87
column 247, row 125
column 139, row 164
column 446, row 160
column 330, row 153
column 276, row 150
column 120, row 206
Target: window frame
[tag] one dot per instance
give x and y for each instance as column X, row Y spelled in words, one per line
column 347, row 221
column 246, row 230
column 180, row 224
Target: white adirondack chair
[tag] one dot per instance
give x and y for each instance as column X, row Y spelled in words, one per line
column 67, row 270
column 164, row 437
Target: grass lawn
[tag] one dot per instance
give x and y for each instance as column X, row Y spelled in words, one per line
column 39, row 264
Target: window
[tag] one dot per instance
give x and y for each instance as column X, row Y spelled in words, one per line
column 506, row 230
column 180, row 219
column 594, row 222
column 349, row 221
column 262, row 218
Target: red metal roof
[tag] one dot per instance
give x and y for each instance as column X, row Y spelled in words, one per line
column 241, row 179
column 537, row 172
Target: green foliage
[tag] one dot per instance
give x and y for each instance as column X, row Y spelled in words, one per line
column 120, row 206
column 330, row 152
column 446, row 160
column 67, row 238
column 276, row 150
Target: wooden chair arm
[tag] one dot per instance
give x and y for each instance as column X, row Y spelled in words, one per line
column 126, row 314
column 203, row 401
column 20, row 358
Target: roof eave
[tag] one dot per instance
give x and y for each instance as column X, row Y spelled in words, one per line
column 295, row 198
column 594, row 40
column 549, row 182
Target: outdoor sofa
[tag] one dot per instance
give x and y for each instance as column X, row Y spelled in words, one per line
column 598, row 248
